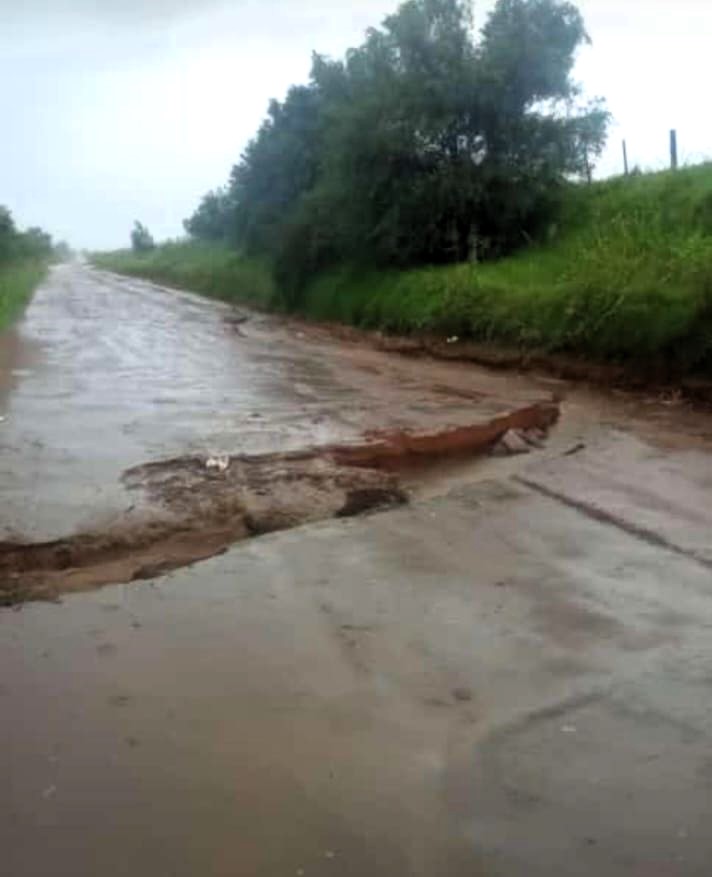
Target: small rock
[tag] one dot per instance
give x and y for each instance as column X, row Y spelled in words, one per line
column 221, row 464
column 49, row 792
column 510, row 444
column 462, row 695
column 568, row 729
column 329, row 854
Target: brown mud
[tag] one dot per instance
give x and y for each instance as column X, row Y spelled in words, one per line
column 193, row 508
column 651, row 377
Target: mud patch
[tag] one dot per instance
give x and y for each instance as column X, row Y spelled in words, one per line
column 190, row 509
column 188, row 514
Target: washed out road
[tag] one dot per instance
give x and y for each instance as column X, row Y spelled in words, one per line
column 510, row 675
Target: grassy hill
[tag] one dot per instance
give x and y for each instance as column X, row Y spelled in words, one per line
column 625, row 276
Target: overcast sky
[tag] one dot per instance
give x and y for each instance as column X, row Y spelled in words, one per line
column 115, row 110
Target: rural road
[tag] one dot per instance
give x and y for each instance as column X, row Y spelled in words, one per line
column 510, row 675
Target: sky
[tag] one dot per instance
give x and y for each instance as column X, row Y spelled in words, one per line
column 116, row 110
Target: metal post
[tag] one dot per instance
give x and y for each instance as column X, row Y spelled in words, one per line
column 673, row 149
column 625, row 158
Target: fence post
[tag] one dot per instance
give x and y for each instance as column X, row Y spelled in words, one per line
column 625, row 158
column 673, row 149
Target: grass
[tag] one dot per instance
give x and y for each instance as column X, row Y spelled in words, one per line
column 18, row 280
column 211, row 270
column 625, row 277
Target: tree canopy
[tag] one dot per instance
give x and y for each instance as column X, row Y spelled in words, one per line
column 427, row 143
column 141, row 238
column 34, row 243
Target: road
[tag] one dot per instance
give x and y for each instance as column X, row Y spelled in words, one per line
column 510, row 675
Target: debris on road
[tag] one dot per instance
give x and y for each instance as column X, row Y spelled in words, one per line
column 191, row 514
column 511, row 443
column 221, row 464
column 575, row 450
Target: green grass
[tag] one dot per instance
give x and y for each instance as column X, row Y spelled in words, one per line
column 626, row 276
column 211, row 270
column 17, row 283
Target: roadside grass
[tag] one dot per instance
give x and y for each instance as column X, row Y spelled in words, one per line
column 212, row 270
column 625, row 276
column 18, row 281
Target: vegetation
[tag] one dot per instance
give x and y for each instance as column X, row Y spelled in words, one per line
column 431, row 182
column 141, row 239
column 425, row 145
column 23, row 260
column 212, row 270
column 625, row 275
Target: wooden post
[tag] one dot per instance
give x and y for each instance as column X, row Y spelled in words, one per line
column 673, row 149
column 625, row 158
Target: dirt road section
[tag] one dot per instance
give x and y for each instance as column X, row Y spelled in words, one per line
column 125, row 373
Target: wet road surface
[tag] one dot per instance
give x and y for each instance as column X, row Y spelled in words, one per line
column 112, row 372
column 511, row 676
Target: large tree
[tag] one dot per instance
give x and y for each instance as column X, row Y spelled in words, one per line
column 424, row 144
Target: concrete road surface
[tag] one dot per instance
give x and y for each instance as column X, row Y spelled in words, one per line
column 510, row 676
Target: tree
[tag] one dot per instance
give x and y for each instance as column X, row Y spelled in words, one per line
column 141, row 240
column 214, row 218
column 34, row 243
column 8, row 233
column 277, row 169
column 424, row 144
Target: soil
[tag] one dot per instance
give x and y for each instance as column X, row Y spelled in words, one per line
column 648, row 377
column 192, row 508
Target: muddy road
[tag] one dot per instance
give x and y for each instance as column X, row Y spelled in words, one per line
column 148, row 428
column 505, row 672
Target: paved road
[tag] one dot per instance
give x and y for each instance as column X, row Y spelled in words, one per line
column 511, row 676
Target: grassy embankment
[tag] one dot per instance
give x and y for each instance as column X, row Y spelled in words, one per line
column 626, row 277
column 17, row 282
